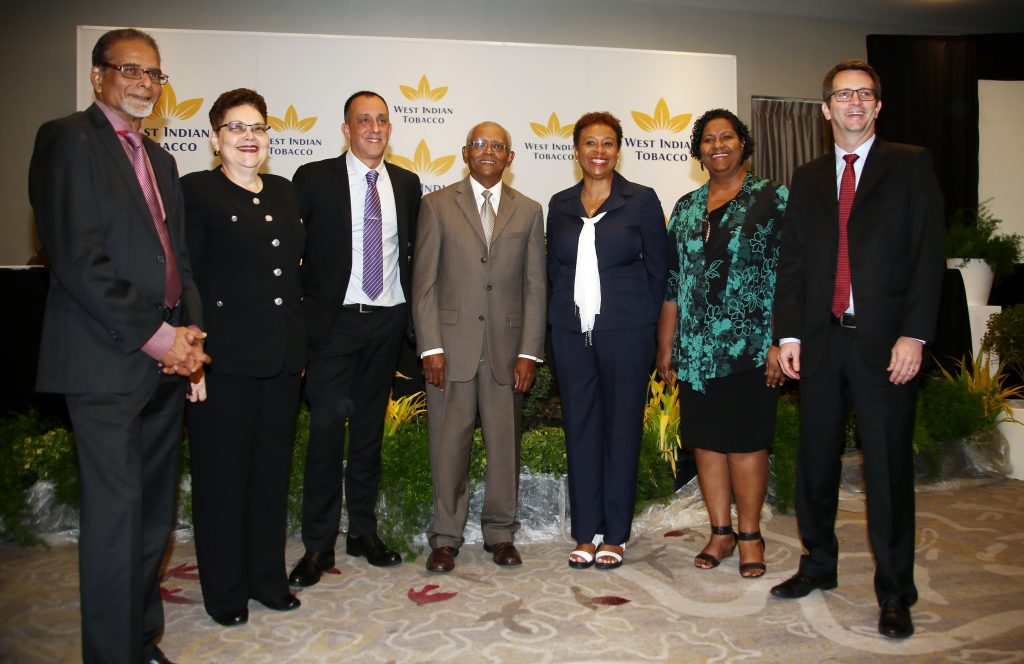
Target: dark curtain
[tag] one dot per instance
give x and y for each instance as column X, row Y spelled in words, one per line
column 930, row 98
column 787, row 133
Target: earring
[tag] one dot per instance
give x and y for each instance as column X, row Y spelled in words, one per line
column 701, row 165
column 216, row 153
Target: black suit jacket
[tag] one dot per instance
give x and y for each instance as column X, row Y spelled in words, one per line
column 895, row 236
column 246, row 257
column 631, row 241
column 106, row 262
column 326, row 209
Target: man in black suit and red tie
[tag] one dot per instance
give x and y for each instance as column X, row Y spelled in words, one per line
column 856, row 302
column 360, row 216
column 121, row 302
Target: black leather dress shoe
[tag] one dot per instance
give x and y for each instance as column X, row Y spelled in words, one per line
column 287, row 602
column 231, row 619
column 442, row 559
column 308, row 570
column 505, row 554
column 373, row 549
column 801, row 585
column 157, row 657
column 894, row 620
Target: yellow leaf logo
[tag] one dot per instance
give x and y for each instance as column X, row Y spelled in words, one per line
column 553, row 128
column 662, row 119
column 423, row 92
column 291, row 122
column 168, row 108
column 422, row 164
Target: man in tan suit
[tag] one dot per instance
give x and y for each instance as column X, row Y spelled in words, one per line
column 478, row 297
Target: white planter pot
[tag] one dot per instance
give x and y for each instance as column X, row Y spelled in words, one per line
column 977, row 278
column 1015, row 439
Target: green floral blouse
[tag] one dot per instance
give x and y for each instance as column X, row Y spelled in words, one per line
column 724, row 326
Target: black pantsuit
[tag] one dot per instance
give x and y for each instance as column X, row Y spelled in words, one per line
column 246, row 248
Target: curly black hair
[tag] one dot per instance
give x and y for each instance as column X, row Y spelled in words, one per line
column 738, row 126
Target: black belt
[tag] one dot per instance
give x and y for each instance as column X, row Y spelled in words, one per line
column 363, row 308
column 846, row 320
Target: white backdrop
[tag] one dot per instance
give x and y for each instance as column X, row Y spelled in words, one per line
column 436, row 90
column 999, row 152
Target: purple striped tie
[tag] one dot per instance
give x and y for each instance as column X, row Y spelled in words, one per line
column 373, row 247
column 137, row 155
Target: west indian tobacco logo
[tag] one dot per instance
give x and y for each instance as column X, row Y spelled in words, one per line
column 427, row 112
column 659, row 149
column 292, row 145
column 166, row 113
column 424, row 165
column 556, row 149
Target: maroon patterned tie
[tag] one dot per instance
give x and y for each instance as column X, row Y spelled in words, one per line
column 847, row 188
column 137, row 155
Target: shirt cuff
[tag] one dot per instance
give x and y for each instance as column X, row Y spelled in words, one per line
column 788, row 340
column 160, row 343
column 531, row 357
column 432, row 351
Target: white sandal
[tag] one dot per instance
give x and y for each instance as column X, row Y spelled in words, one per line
column 609, row 552
column 580, row 552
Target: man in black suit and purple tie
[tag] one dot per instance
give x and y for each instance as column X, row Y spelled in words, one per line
column 121, row 305
column 360, row 215
column 857, row 299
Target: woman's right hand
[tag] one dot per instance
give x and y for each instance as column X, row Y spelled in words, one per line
column 663, row 361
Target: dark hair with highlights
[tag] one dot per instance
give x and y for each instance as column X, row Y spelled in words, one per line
column 850, row 65
column 101, row 51
column 599, row 117
column 233, row 99
column 741, row 129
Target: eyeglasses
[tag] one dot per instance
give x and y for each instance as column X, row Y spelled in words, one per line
column 134, row 71
column 481, row 144
column 240, row 127
column 864, row 94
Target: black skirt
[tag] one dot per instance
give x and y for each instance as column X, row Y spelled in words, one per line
column 736, row 413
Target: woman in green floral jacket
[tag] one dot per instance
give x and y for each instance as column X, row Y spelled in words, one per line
column 715, row 333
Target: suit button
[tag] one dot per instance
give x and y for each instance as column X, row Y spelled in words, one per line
column 484, row 259
column 268, row 218
column 277, row 272
column 278, row 301
column 220, row 303
column 160, row 259
column 481, row 316
column 490, row 287
column 276, row 242
column 234, row 217
column 255, row 201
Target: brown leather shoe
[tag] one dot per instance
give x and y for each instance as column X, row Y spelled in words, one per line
column 505, row 554
column 442, row 559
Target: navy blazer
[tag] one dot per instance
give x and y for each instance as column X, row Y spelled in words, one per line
column 326, row 209
column 107, row 273
column 632, row 256
column 895, row 242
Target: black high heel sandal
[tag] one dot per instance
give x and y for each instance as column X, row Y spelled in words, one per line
column 753, row 567
column 707, row 557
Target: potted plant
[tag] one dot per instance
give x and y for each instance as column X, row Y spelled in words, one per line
column 1005, row 338
column 973, row 247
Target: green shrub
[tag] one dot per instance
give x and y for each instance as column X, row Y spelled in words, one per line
column 542, row 451
column 951, row 411
column 782, row 473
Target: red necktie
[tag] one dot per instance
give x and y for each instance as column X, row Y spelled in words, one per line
column 847, row 189
column 137, row 155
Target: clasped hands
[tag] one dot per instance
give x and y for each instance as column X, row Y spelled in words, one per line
column 186, row 358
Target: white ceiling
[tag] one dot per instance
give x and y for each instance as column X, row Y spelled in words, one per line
column 949, row 17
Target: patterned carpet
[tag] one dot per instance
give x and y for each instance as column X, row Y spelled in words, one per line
column 657, row 607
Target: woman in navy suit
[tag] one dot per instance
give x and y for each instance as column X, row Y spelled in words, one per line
column 246, row 240
column 607, row 265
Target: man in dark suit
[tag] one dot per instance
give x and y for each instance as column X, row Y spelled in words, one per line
column 110, row 215
column 360, row 215
column 479, row 291
column 857, row 298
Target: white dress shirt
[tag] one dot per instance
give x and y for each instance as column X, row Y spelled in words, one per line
column 392, row 293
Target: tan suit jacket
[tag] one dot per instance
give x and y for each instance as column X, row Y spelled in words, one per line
column 462, row 294
column 483, row 308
